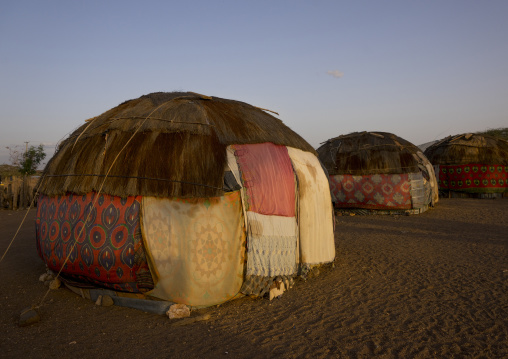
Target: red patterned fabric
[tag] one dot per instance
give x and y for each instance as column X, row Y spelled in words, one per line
column 268, row 178
column 372, row 191
column 109, row 250
column 474, row 178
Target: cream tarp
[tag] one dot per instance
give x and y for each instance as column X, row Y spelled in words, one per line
column 196, row 247
column 432, row 179
column 433, row 183
column 315, row 209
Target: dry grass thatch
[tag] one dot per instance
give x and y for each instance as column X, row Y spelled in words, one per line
column 469, row 148
column 365, row 153
column 177, row 146
column 501, row 132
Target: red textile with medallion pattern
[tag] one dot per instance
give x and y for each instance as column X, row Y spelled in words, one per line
column 474, row 178
column 380, row 191
column 107, row 251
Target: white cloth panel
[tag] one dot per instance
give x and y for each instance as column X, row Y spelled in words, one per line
column 271, row 245
column 315, row 216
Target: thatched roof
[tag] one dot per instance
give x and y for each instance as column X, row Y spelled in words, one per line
column 501, row 132
column 364, row 153
column 175, row 145
column 468, row 148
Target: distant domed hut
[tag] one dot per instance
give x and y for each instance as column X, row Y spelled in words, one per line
column 471, row 165
column 378, row 173
column 185, row 198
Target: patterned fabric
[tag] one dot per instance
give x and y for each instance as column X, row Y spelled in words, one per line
column 272, row 245
column 269, row 200
column 196, row 247
column 474, row 178
column 391, row 191
column 253, row 284
column 268, row 178
column 102, row 240
column 315, row 212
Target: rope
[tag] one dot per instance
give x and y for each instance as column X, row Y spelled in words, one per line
column 82, row 132
column 136, row 177
column 132, row 118
column 380, row 170
column 161, row 119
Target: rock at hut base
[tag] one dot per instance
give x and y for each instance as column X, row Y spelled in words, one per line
column 28, row 317
column 277, row 289
column 48, row 276
column 104, row 300
column 178, row 311
column 55, row 284
column 107, row 301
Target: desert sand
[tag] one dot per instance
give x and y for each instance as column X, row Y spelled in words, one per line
column 433, row 285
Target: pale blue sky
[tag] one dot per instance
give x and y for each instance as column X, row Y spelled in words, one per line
column 419, row 69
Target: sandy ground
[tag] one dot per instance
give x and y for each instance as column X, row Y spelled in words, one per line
column 433, row 285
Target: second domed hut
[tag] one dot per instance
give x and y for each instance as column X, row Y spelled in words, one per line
column 378, row 172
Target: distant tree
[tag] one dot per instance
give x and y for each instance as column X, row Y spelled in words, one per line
column 31, row 159
column 28, row 161
column 14, row 155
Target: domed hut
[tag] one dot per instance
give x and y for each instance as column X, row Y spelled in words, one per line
column 378, row 173
column 184, row 198
column 471, row 165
